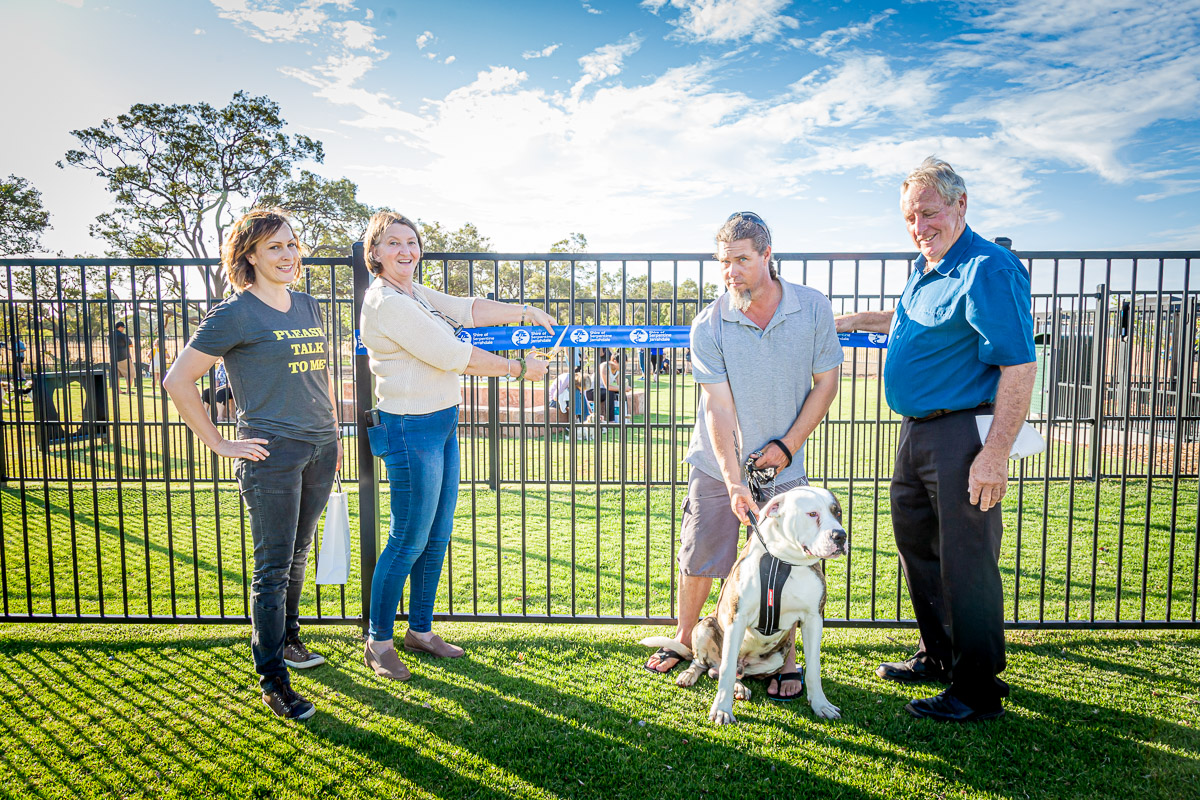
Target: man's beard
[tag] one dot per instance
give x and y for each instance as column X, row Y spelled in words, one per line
column 740, row 300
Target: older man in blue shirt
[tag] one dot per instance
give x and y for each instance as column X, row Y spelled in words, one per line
column 960, row 344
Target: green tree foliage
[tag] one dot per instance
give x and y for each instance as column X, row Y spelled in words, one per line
column 459, row 276
column 22, row 217
column 179, row 173
column 329, row 220
column 329, row 214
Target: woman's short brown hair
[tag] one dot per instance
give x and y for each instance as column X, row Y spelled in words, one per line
column 379, row 222
column 244, row 236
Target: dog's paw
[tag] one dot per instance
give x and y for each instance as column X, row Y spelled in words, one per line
column 721, row 716
column 689, row 676
column 741, row 691
column 825, row 709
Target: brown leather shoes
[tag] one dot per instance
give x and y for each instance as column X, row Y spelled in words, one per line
column 436, row 646
column 386, row 664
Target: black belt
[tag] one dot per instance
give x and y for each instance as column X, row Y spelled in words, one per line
column 941, row 412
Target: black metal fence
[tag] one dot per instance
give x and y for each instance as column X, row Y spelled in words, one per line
column 112, row 511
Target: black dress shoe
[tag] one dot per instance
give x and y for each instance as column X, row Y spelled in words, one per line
column 945, row 707
column 911, row 671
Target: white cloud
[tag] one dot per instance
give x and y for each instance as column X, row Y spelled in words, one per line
column 450, row 59
column 726, row 20
column 1172, row 239
column 1087, row 75
column 831, row 40
column 604, row 62
column 199, row 32
column 268, row 21
column 586, row 7
column 355, row 35
column 649, row 152
column 545, row 52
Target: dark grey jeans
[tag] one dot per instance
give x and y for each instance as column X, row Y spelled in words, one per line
column 285, row 495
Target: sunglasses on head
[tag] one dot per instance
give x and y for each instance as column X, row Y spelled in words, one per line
column 750, row 216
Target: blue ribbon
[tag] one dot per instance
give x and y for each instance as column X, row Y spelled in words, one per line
column 873, row 340
column 507, row 337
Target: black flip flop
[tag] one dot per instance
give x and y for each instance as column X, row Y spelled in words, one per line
column 661, row 654
column 778, row 678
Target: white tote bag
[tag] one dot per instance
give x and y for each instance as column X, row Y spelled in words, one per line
column 333, row 563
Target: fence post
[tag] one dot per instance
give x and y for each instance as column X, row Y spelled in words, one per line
column 493, row 429
column 1099, row 367
column 368, row 486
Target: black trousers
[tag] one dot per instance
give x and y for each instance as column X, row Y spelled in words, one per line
column 949, row 551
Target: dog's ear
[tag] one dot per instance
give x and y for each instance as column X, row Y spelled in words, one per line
column 774, row 507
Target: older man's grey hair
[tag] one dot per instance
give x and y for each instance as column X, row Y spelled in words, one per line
column 939, row 176
column 738, row 227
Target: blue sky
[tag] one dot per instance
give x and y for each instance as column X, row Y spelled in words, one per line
column 643, row 125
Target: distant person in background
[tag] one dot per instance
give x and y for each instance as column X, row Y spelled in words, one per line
column 287, row 447
column 122, row 357
column 219, row 395
column 563, row 390
column 655, row 355
column 410, row 332
column 158, row 365
column 606, row 389
column 18, row 364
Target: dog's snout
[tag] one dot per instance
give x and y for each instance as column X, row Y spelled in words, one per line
column 839, row 537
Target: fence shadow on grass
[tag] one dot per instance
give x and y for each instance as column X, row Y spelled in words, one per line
column 572, row 713
column 559, row 741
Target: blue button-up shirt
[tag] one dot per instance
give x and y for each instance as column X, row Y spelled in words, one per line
column 955, row 326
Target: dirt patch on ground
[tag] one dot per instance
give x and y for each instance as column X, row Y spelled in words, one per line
column 1164, row 456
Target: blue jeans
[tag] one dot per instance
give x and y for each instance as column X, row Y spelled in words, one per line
column 285, row 495
column 420, row 452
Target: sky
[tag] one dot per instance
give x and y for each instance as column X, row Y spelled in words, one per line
column 644, row 125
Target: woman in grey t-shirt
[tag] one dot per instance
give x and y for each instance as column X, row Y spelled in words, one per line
column 287, row 447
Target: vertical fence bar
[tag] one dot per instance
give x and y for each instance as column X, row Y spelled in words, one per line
column 368, row 486
column 1153, row 395
column 1183, row 349
column 1099, row 374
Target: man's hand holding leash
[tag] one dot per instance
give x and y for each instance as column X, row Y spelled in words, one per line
column 741, row 501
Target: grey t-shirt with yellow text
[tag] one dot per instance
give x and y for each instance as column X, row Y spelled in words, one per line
column 277, row 362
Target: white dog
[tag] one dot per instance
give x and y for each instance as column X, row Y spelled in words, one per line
column 798, row 529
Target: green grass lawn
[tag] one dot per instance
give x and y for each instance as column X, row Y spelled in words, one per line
column 568, row 712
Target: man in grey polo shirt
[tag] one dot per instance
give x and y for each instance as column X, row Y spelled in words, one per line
column 767, row 357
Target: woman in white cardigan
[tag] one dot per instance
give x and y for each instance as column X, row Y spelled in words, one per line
column 410, row 332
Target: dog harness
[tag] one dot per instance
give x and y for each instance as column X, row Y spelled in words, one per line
column 772, row 575
column 773, row 571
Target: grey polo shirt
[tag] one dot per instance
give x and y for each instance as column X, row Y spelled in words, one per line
column 770, row 371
